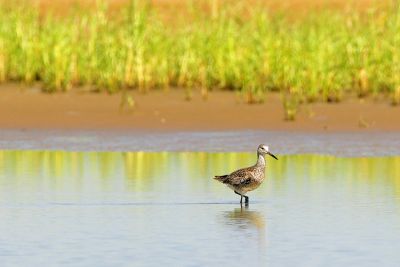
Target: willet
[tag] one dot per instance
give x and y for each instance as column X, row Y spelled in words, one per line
column 247, row 179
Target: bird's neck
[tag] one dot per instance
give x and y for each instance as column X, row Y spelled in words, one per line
column 260, row 160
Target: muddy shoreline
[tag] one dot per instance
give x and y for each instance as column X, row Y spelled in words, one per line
column 164, row 121
column 24, row 108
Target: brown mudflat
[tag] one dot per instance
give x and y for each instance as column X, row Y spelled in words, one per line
column 29, row 108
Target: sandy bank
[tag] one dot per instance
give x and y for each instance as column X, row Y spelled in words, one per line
column 28, row 108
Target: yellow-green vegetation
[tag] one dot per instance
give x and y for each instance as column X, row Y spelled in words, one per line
column 320, row 56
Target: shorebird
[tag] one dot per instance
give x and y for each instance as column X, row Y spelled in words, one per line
column 247, row 179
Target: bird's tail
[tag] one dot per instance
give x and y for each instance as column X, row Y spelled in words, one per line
column 220, row 178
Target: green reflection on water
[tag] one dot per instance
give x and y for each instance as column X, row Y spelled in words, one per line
column 139, row 171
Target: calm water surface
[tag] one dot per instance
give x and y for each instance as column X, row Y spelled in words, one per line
column 153, row 209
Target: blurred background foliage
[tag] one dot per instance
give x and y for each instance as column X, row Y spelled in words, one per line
column 242, row 47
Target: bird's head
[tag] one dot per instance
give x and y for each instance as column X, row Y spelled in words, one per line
column 263, row 149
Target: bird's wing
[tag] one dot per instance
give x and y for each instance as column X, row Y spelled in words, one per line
column 240, row 177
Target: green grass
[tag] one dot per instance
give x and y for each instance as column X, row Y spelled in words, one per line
column 320, row 57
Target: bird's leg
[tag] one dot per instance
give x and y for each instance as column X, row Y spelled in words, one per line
column 241, row 197
column 246, row 200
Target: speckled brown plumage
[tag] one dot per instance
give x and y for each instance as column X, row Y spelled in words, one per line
column 244, row 180
column 247, row 179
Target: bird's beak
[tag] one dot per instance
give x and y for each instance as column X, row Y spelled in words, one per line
column 272, row 155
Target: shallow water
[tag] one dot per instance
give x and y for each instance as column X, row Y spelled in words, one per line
column 333, row 143
column 152, row 209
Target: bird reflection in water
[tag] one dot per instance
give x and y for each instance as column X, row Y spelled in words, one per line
column 244, row 219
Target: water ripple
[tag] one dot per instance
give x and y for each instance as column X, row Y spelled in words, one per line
column 341, row 144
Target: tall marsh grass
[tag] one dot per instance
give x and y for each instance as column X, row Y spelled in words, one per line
column 321, row 56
